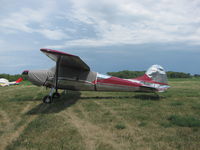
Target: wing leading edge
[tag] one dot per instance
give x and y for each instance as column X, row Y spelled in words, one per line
column 66, row 59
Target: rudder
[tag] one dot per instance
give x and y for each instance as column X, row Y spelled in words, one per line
column 157, row 73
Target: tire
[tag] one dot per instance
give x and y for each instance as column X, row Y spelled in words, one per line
column 47, row 99
column 56, row 95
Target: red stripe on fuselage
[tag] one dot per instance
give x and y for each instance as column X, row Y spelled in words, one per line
column 118, row 81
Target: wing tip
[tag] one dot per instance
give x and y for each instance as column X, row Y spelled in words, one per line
column 46, row 50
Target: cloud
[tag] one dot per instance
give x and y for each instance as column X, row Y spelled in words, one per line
column 21, row 20
column 117, row 27
column 132, row 22
column 31, row 20
column 53, row 34
column 102, row 22
column 2, row 42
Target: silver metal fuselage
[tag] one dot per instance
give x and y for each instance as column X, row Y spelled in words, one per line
column 79, row 85
column 78, row 81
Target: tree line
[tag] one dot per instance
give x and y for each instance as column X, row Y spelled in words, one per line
column 133, row 74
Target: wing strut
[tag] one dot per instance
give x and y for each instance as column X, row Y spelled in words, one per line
column 56, row 75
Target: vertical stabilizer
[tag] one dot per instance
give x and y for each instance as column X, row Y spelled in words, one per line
column 157, row 73
column 19, row 80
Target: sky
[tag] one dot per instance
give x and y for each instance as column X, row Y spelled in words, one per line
column 109, row 35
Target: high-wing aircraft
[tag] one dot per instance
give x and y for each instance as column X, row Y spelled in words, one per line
column 5, row 82
column 72, row 73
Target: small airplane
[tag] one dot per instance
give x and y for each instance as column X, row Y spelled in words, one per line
column 72, row 73
column 5, row 82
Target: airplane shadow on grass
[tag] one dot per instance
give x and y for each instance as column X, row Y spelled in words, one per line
column 65, row 101
column 138, row 96
column 71, row 98
column 148, row 97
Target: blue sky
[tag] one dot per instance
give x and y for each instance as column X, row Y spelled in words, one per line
column 109, row 35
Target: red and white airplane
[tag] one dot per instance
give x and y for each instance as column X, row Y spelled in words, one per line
column 5, row 82
column 71, row 73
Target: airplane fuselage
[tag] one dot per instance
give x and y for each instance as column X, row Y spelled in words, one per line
column 85, row 81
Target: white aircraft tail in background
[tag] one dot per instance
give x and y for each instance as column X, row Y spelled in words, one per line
column 5, row 82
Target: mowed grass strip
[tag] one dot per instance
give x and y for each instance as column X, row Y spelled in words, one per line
column 49, row 132
column 101, row 120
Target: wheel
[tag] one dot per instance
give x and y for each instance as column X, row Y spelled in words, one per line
column 47, row 99
column 56, row 95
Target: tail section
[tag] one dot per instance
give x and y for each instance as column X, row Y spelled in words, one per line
column 16, row 82
column 155, row 77
column 19, row 80
column 157, row 74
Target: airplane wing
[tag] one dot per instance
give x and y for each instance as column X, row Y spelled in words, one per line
column 66, row 59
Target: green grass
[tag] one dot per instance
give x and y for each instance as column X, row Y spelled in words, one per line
column 177, row 103
column 184, row 121
column 101, row 120
column 120, row 126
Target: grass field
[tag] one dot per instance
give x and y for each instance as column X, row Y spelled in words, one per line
column 101, row 120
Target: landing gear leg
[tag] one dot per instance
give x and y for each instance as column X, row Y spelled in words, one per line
column 49, row 98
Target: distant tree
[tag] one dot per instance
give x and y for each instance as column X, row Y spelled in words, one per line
column 126, row 74
column 197, row 75
column 172, row 74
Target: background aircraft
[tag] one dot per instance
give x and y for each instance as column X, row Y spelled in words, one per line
column 71, row 73
column 5, row 82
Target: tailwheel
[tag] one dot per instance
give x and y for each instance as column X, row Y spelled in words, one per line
column 47, row 99
column 56, row 95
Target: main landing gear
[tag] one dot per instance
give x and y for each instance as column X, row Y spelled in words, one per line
column 49, row 98
column 54, row 90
